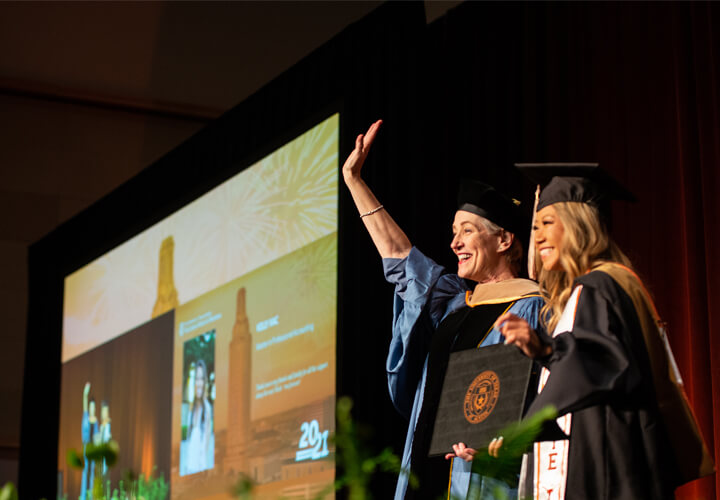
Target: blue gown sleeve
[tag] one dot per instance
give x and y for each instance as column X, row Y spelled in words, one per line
column 424, row 295
column 85, row 428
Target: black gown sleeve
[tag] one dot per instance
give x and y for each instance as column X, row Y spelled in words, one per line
column 593, row 363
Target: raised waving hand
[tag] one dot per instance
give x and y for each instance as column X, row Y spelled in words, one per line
column 389, row 239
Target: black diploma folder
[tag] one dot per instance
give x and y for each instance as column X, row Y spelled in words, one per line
column 484, row 390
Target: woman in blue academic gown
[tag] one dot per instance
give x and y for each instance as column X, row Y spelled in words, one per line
column 435, row 313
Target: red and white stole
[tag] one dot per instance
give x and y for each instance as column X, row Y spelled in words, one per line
column 551, row 457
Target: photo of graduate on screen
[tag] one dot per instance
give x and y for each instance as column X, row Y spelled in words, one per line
column 197, row 446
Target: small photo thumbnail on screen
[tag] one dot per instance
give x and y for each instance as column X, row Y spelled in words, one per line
column 197, row 443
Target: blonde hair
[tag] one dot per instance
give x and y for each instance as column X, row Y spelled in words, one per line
column 585, row 245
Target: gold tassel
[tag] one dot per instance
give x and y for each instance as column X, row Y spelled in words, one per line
column 531, row 243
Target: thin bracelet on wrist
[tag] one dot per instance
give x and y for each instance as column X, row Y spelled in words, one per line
column 371, row 211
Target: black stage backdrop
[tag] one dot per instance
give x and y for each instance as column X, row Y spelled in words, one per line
column 631, row 85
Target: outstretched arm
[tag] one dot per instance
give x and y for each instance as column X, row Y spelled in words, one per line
column 86, row 392
column 389, row 239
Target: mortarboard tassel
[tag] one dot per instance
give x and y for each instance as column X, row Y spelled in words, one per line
column 531, row 243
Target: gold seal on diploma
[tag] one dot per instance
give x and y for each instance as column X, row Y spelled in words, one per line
column 472, row 409
column 482, row 396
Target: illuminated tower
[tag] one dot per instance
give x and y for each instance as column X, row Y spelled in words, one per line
column 238, row 433
column 167, row 297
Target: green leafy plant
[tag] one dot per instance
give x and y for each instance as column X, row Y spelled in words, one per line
column 151, row 488
column 357, row 464
column 243, row 488
column 8, row 492
column 146, row 488
column 517, row 440
column 106, row 453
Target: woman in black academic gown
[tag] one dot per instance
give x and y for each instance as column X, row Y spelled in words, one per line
column 603, row 356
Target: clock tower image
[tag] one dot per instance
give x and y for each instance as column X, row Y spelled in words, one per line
column 240, row 373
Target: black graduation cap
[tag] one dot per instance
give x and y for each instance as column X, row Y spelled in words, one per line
column 486, row 201
column 581, row 182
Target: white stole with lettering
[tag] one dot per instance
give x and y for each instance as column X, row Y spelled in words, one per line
column 551, row 457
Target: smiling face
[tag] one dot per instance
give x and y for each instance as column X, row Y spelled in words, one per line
column 549, row 231
column 477, row 250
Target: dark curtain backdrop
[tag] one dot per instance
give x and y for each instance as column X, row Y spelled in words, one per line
column 631, row 85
